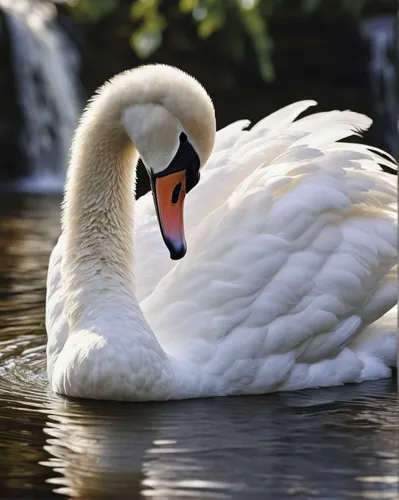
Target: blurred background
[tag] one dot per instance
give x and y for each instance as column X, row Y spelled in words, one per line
column 253, row 56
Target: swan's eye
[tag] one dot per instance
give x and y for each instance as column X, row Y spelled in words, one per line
column 183, row 138
column 176, row 193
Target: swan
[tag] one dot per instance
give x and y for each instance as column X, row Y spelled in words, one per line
column 289, row 281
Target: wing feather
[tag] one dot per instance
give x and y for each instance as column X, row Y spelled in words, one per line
column 292, row 262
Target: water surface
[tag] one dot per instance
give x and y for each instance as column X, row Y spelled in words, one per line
column 324, row 444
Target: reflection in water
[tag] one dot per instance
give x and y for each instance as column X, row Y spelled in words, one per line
column 327, row 444
column 311, row 444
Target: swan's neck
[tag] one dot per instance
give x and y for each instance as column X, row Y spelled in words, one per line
column 97, row 273
column 98, row 223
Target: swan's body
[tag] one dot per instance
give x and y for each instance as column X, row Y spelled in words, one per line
column 290, row 277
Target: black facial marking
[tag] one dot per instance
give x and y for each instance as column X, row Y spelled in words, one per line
column 176, row 193
column 192, row 176
column 185, row 159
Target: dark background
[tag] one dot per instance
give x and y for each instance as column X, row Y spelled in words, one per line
column 310, row 49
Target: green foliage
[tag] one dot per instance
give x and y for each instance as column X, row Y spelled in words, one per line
column 249, row 17
column 93, row 9
column 148, row 36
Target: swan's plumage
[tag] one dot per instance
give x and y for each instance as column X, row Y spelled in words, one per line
column 293, row 260
column 290, row 277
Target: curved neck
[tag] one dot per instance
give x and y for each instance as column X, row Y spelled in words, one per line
column 98, row 220
column 97, row 274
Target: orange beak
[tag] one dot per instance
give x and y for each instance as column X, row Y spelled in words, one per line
column 169, row 192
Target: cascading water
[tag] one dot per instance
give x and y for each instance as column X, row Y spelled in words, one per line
column 45, row 65
column 380, row 34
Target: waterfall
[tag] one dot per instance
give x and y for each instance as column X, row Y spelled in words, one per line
column 45, row 65
column 380, row 34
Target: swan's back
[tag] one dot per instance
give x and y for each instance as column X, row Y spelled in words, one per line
column 291, row 261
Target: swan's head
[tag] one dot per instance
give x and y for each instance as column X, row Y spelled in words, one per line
column 172, row 125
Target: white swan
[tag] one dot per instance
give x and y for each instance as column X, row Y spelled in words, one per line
column 289, row 281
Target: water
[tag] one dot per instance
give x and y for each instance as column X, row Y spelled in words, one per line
column 323, row 444
column 46, row 66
